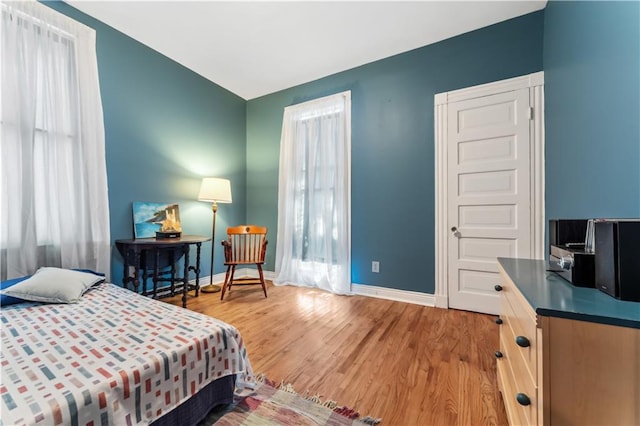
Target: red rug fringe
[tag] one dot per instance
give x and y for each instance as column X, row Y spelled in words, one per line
column 345, row 411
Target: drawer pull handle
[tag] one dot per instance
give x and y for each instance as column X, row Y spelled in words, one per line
column 498, row 354
column 498, row 320
column 523, row 399
column 523, row 342
column 498, row 287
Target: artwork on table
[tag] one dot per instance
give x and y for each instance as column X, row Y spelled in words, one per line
column 149, row 218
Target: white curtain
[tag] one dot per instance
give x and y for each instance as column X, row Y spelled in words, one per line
column 314, row 195
column 54, row 208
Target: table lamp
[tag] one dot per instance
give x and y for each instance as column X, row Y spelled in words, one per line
column 214, row 190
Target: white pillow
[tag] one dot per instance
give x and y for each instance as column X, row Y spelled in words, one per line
column 54, row 285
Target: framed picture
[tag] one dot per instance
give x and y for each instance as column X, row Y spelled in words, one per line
column 149, row 218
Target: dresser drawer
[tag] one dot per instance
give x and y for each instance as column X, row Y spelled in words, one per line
column 522, row 382
column 520, row 347
column 520, row 318
column 506, row 383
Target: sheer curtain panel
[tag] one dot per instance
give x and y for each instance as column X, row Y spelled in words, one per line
column 54, row 208
column 314, row 195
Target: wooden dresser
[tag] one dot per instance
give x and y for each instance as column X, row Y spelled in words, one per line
column 568, row 355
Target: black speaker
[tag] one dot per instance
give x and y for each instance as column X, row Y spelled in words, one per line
column 617, row 258
column 567, row 232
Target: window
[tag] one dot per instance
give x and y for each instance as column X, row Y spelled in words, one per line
column 318, row 173
column 313, row 246
column 54, row 208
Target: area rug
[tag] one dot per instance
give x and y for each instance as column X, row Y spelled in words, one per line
column 271, row 404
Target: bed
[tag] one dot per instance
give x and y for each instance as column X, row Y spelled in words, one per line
column 116, row 358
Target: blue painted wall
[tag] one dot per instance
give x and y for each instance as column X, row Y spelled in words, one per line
column 392, row 144
column 166, row 127
column 592, row 103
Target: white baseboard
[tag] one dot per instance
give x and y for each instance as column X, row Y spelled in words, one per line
column 406, row 296
column 217, row 279
column 442, row 301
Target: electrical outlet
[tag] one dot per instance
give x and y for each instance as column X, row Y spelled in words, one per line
column 375, row 266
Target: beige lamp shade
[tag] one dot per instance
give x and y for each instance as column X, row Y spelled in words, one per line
column 215, row 190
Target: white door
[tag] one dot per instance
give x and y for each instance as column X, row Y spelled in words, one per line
column 488, row 200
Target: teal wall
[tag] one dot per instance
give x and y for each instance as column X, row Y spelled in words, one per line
column 592, row 103
column 392, row 144
column 166, row 127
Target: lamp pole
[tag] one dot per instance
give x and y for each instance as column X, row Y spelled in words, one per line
column 211, row 288
column 214, row 190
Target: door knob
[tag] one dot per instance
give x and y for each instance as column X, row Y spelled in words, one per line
column 454, row 229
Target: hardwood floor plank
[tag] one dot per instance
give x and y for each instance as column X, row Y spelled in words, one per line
column 407, row 364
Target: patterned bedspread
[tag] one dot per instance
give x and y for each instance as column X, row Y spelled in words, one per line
column 115, row 358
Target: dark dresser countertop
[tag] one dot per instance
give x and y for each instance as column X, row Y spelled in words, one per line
column 551, row 295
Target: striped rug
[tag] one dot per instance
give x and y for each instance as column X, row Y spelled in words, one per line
column 271, row 404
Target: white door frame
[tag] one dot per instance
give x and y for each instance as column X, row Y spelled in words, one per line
column 535, row 83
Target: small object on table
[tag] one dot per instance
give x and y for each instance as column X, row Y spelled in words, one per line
column 163, row 235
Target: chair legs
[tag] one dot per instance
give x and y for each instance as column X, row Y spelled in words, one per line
column 264, row 287
column 229, row 281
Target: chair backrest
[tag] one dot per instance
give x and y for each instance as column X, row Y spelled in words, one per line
column 246, row 244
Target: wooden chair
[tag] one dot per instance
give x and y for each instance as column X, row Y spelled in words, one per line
column 246, row 245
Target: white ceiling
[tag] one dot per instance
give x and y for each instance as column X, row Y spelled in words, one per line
column 253, row 48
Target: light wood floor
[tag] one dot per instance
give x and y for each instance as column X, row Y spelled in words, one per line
column 404, row 363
